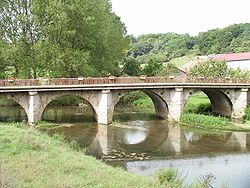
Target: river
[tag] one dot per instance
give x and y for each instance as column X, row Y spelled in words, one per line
column 143, row 144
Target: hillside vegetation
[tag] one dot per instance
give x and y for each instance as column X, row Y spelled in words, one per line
column 158, row 48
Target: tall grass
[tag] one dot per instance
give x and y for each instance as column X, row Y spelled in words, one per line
column 33, row 159
column 209, row 122
column 181, row 61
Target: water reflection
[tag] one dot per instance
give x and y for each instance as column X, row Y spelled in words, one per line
column 230, row 170
column 13, row 113
column 68, row 114
column 156, row 138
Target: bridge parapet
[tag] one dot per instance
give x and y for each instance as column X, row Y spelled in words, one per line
column 119, row 80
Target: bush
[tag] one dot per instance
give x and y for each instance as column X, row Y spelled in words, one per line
column 210, row 68
column 199, row 103
column 200, row 120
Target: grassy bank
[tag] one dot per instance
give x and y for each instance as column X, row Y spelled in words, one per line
column 210, row 122
column 29, row 158
column 198, row 103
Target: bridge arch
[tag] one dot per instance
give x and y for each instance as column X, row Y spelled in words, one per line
column 160, row 105
column 221, row 102
column 19, row 99
column 46, row 99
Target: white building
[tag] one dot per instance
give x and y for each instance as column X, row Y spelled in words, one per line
column 236, row 60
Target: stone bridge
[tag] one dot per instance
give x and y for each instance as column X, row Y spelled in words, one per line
column 229, row 97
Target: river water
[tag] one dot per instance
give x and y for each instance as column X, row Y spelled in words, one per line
column 143, row 144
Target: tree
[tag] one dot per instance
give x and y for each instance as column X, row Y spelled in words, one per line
column 2, row 62
column 242, row 43
column 131, row 67
column 62, row 38
column 20, row 33
column 152, row 68
column 88, row 38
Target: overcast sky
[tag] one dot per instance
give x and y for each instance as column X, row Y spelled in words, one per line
column 180, row 16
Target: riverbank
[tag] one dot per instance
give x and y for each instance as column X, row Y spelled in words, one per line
column 197, row 113
column 212, row 122
column 29, row 158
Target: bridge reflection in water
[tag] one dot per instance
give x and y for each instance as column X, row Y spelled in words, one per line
column 156, row 138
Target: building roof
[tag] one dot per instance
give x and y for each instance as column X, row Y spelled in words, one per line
column 231, row 57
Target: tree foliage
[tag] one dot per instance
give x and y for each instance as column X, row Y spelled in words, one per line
column 210, row 68
column 152, row 68
column 61, row 38
column 131, row 67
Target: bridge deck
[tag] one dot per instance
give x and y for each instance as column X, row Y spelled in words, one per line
column 119, row 83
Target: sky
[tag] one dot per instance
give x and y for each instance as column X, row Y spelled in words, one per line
column 180, row 16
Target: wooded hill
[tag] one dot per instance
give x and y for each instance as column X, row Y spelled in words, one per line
column 164, row 47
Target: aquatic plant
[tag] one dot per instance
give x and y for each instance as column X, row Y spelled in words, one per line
column 171, row 178
column 206, row 181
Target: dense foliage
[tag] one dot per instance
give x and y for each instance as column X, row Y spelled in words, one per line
column 165, row 47
column 60, row 38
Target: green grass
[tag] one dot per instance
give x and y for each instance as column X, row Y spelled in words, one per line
column 248, row 113
column 199, row 103
column 179, row 62
column 46, row 124
column 29, row 158
column 144, row 103
column 137, row 99
column 209, row 122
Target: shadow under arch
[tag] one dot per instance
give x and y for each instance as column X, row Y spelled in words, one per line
column 161, row 107
column 221, row 103
column 76, row 110
column 13, row 110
